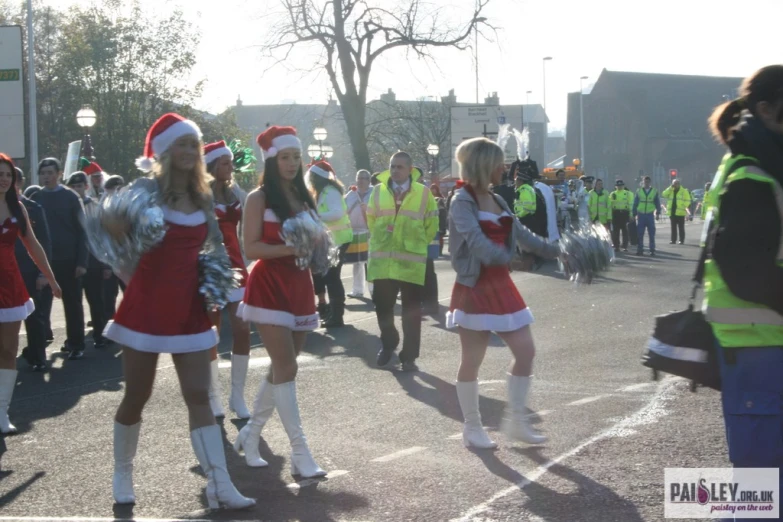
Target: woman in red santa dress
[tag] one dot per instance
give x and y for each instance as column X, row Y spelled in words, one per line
column 228, row 209
column 482, row 238
column 279, row 295
column 15, row 303
column 162, row 310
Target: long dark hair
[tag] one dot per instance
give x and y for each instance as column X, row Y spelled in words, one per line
column 765, row 85
column 275, row 197
column 12, row 198
column 319, row 183
column 231, row 197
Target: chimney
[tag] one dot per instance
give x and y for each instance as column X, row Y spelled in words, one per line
column 389, row 97
column 492, row 99
column 239, row 100
column 451, row 99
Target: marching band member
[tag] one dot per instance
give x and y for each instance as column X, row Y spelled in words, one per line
column 228, row 208
column 279, row 295
column 483, row 235
column 162, row 310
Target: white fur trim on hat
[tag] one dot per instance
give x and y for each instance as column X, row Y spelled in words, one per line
column 285, row 141
column 144, row 164
column 217, row 153
column 165, row 139
column 321, row 172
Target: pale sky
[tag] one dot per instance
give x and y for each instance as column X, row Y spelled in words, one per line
column 664, row 36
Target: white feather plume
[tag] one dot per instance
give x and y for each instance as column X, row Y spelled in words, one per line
column 523, row 142
column 504, row 134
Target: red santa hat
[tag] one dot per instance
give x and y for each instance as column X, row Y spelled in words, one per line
column 92, row 168
column 322, row 168
column 163, row 133
column 213, row 151
column 274, row 139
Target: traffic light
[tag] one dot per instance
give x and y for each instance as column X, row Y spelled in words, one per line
column 673, row 173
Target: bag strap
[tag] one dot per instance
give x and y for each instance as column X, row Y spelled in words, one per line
column 711, row 226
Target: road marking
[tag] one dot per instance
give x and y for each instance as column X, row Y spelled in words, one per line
column 399, row 454
column 637, row 387
column 648, row 414
column 586, row 400
column 539, row 413
column 310, row 481
column 99, row 519
column 263, row 362
column 499, row 381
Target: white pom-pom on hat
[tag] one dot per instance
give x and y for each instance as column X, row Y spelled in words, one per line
column 145, row 164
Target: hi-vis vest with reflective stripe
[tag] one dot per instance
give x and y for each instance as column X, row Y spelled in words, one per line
column 399, row 239
column 737, row 323
column 599, row 206
column 340, row 228
column 525, row 203
column 621, row 200
column 646, row 201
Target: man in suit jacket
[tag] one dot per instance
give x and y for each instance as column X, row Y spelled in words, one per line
column 35, row 324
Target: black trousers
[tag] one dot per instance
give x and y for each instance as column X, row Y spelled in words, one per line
column 678, row 223
column 71, row 286
column 35, row 324
column 430, row 290
column 384, row 296
column 620, row 226
column 332, row 284
column 93, row 290
column 111, row 289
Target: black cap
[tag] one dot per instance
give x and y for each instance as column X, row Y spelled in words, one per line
column 113, row 182
column 619, row 183
column 76, row 177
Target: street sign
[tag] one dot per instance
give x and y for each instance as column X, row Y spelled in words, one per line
column 12, row 109
column 473, row 121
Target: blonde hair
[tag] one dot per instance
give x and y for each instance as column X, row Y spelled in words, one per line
column 478, row 158
column 198, row 186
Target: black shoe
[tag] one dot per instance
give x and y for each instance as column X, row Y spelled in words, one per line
column 49, row 336
column 639, row 253
column 672, row 242
column 384, row 356
column 76, row 354
column 409, row 366
column 652, row 253
column 64, row 348
column 39, row 367
column 101, row 345
column 625, row 249
column 333, row 322
column 682, row 242
column 324, row 311
column 89, row 323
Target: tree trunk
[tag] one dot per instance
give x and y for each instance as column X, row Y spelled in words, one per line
column 354, row 113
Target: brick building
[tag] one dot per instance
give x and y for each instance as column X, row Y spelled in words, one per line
column 642, row 123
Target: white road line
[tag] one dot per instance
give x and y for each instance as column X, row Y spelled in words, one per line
column 263, row 362
column 652, row 411
column 399, row 454
column 99, row 519
column 637, row 387
column 499, row 381
column 307, row 482
column 586, row 400
column 541, row 413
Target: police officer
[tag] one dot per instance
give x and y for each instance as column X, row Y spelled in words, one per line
column 598, row 203
column 743, row 278
column 620, row 202
column 646, row 210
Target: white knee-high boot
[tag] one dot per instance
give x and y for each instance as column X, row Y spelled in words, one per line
column 236, row 401
column 215, row 400
column 302, row 462
column 515, row 423
column 126, row 440
column 208, row 446
column 473, row 433
column 7, row 383
column 249, row 436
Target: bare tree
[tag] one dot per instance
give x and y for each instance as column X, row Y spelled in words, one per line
column 353, row 34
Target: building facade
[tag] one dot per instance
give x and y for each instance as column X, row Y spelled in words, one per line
column 638, row 124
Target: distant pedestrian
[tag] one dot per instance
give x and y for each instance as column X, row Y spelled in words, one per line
column 646, row 210
column 678, row 200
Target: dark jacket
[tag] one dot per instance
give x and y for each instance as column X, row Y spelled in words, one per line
column 65, row 215
column 41, row 230
column 748, row 237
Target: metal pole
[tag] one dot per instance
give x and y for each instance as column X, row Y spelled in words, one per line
column 581, row 125
column 475, row 28
column 31, row 97
column 544, row 84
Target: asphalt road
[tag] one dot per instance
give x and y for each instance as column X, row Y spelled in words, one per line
column 390, row 440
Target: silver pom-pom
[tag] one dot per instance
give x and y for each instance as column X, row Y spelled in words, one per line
column 313, row 243
column 123, row 226
column 586, row 252
column 216, row 279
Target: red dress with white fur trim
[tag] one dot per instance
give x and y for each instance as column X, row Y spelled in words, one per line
column 278, row 292
column 228, row 217
column 494, row 303
column 15, row 303
column 162, row 310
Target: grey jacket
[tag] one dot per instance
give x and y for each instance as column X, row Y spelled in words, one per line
column 470, row 247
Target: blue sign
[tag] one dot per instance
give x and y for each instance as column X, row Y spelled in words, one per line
column 501, row 120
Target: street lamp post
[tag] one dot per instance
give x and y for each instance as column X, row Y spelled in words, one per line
column 527, row 97
column 546, row 134
column 86, row 118
column 433, row 150
column 320, row 151
column 546, row 59
column 475, row 27
column 582, row 122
